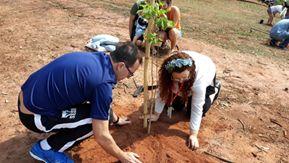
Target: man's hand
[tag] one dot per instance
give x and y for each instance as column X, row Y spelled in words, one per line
column 130, row 157
column 116, row 120
column 123, row 121
column 193, row 142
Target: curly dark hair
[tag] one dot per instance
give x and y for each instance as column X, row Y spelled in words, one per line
column 165, row 78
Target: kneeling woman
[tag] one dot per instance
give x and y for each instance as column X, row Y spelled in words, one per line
column 187, row 80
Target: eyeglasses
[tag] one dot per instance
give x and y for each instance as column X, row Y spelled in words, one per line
column 180, row 80
column 130, row 74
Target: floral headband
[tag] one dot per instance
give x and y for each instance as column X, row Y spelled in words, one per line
column 170, row 66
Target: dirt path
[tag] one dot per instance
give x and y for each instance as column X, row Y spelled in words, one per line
column 252, row 112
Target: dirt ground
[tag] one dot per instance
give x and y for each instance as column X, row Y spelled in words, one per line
column 249, row 122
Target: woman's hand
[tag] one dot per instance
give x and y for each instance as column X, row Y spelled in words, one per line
column 154, row 117
column 193, row 142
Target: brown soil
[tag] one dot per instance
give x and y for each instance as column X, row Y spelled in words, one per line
column 252, row 111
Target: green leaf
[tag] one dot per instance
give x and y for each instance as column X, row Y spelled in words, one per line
column 170, row 24
column 153, row 11
column 152, row 38
column 162, row 23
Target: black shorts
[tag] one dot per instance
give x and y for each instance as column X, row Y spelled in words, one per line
column 73, row 126
column 212, row 93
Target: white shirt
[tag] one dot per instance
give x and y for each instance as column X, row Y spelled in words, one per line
column 276, row 9
column 205, row 73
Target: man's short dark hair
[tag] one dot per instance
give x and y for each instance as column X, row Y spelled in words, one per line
column 126, row 52
column 168, row 2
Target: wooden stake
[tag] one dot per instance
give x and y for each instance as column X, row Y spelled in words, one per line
column 153, row 91
column 146, row 62
column 151, row 95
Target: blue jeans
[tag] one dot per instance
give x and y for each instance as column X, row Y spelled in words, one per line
column 284, row 43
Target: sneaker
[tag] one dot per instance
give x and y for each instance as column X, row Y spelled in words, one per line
column 283, row 47
column 272, row 43
column 48, row 156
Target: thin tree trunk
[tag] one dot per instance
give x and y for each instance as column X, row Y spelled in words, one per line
column 146, row 62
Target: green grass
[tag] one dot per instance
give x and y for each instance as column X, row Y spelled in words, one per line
column 224, row 23
column 227, row 24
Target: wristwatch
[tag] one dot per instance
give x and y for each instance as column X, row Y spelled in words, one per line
column 116, row 122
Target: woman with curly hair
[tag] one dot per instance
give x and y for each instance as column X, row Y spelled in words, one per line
column 187, row 80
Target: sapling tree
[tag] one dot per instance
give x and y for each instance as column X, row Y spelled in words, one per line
column 157, row 20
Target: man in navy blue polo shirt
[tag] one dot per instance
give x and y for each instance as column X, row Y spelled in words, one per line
column 71, row 96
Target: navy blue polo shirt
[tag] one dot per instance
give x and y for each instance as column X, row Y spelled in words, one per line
column 71, row 79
